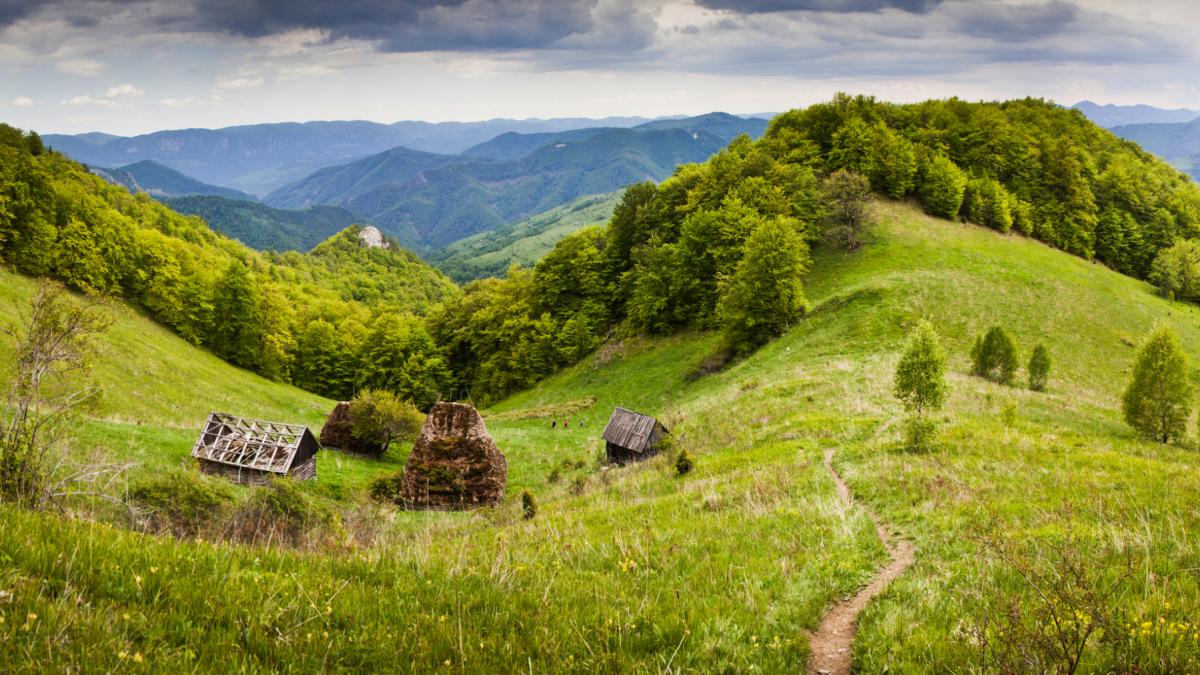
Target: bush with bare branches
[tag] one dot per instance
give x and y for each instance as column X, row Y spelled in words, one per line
column 52, row 343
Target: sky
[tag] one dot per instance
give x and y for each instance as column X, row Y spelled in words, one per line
column 134, row 66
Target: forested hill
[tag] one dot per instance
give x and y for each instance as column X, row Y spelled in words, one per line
column 343, row 315
column 723, row 244
column 262, row 227
column 440, row 205
column 162, row 181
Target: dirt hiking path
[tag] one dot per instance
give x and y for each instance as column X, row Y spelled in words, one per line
column 831, row 643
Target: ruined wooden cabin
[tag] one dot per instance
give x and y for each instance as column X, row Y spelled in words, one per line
column 631, row 437
column 251, row 451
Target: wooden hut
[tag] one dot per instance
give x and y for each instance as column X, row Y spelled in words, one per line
column 252, row 451
column 631, row 437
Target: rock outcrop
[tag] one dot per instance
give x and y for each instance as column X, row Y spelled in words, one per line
column 371, row 237
column 454, row 464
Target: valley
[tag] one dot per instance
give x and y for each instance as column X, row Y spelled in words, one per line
column 757, row 289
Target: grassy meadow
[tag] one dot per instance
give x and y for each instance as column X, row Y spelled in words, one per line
column 638, row 570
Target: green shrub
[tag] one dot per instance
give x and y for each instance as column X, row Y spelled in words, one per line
column 280, row 511
column 388, row 488
column 183, row 502
column 379, row 418
column 1008, row 413
column 994, row 356
column 1039, row 368
column 684, row 463
column 1157, row 401
column 528, row 505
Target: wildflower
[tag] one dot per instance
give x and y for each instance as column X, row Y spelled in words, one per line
column 1, row 620
column 31, row 617
column 123, row 655
column 446, row 663
column 153, row 570
column 137, row 657
column 137, row 578
column 125, row 616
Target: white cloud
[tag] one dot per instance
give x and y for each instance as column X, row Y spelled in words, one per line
column 112, row 97
column 85, row 67
column 240, row 83
column 88, row 99
column 188, row 101
column 22, row 101
column 123, row 91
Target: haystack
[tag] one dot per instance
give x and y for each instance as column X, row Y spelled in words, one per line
column 338, row 432
column 454, row 464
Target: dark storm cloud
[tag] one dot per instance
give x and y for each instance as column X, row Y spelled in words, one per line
column 404, row 26
column 1014, row 22
column 835, row 6
column 14, row 10
column 394, row 25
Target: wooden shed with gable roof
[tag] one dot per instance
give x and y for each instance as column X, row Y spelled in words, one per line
column 631, row 437
column 251, row 451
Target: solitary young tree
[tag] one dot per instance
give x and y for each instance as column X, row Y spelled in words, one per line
column 1157, row 401
column 921, row 383
column 1039, row 368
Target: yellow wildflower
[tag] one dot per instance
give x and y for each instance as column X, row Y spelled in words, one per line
column 138, row 657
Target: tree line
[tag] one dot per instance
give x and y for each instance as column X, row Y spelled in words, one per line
column 723, row 245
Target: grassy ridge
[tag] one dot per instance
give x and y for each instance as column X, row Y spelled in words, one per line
column 634, row 570
column 488, row 254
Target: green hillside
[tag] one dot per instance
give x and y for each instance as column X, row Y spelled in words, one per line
column 635, row 570
column 156, row 391
column 279, row 314
column 262, row 227
column 488, row 254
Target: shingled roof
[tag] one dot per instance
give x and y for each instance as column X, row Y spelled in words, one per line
column 630, row 430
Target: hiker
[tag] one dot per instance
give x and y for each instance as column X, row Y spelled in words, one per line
column 566, row 423
column 553, row 424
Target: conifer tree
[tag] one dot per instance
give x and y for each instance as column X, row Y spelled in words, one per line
column 1039, row 368
column 994, row 356
column 1157, row 401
